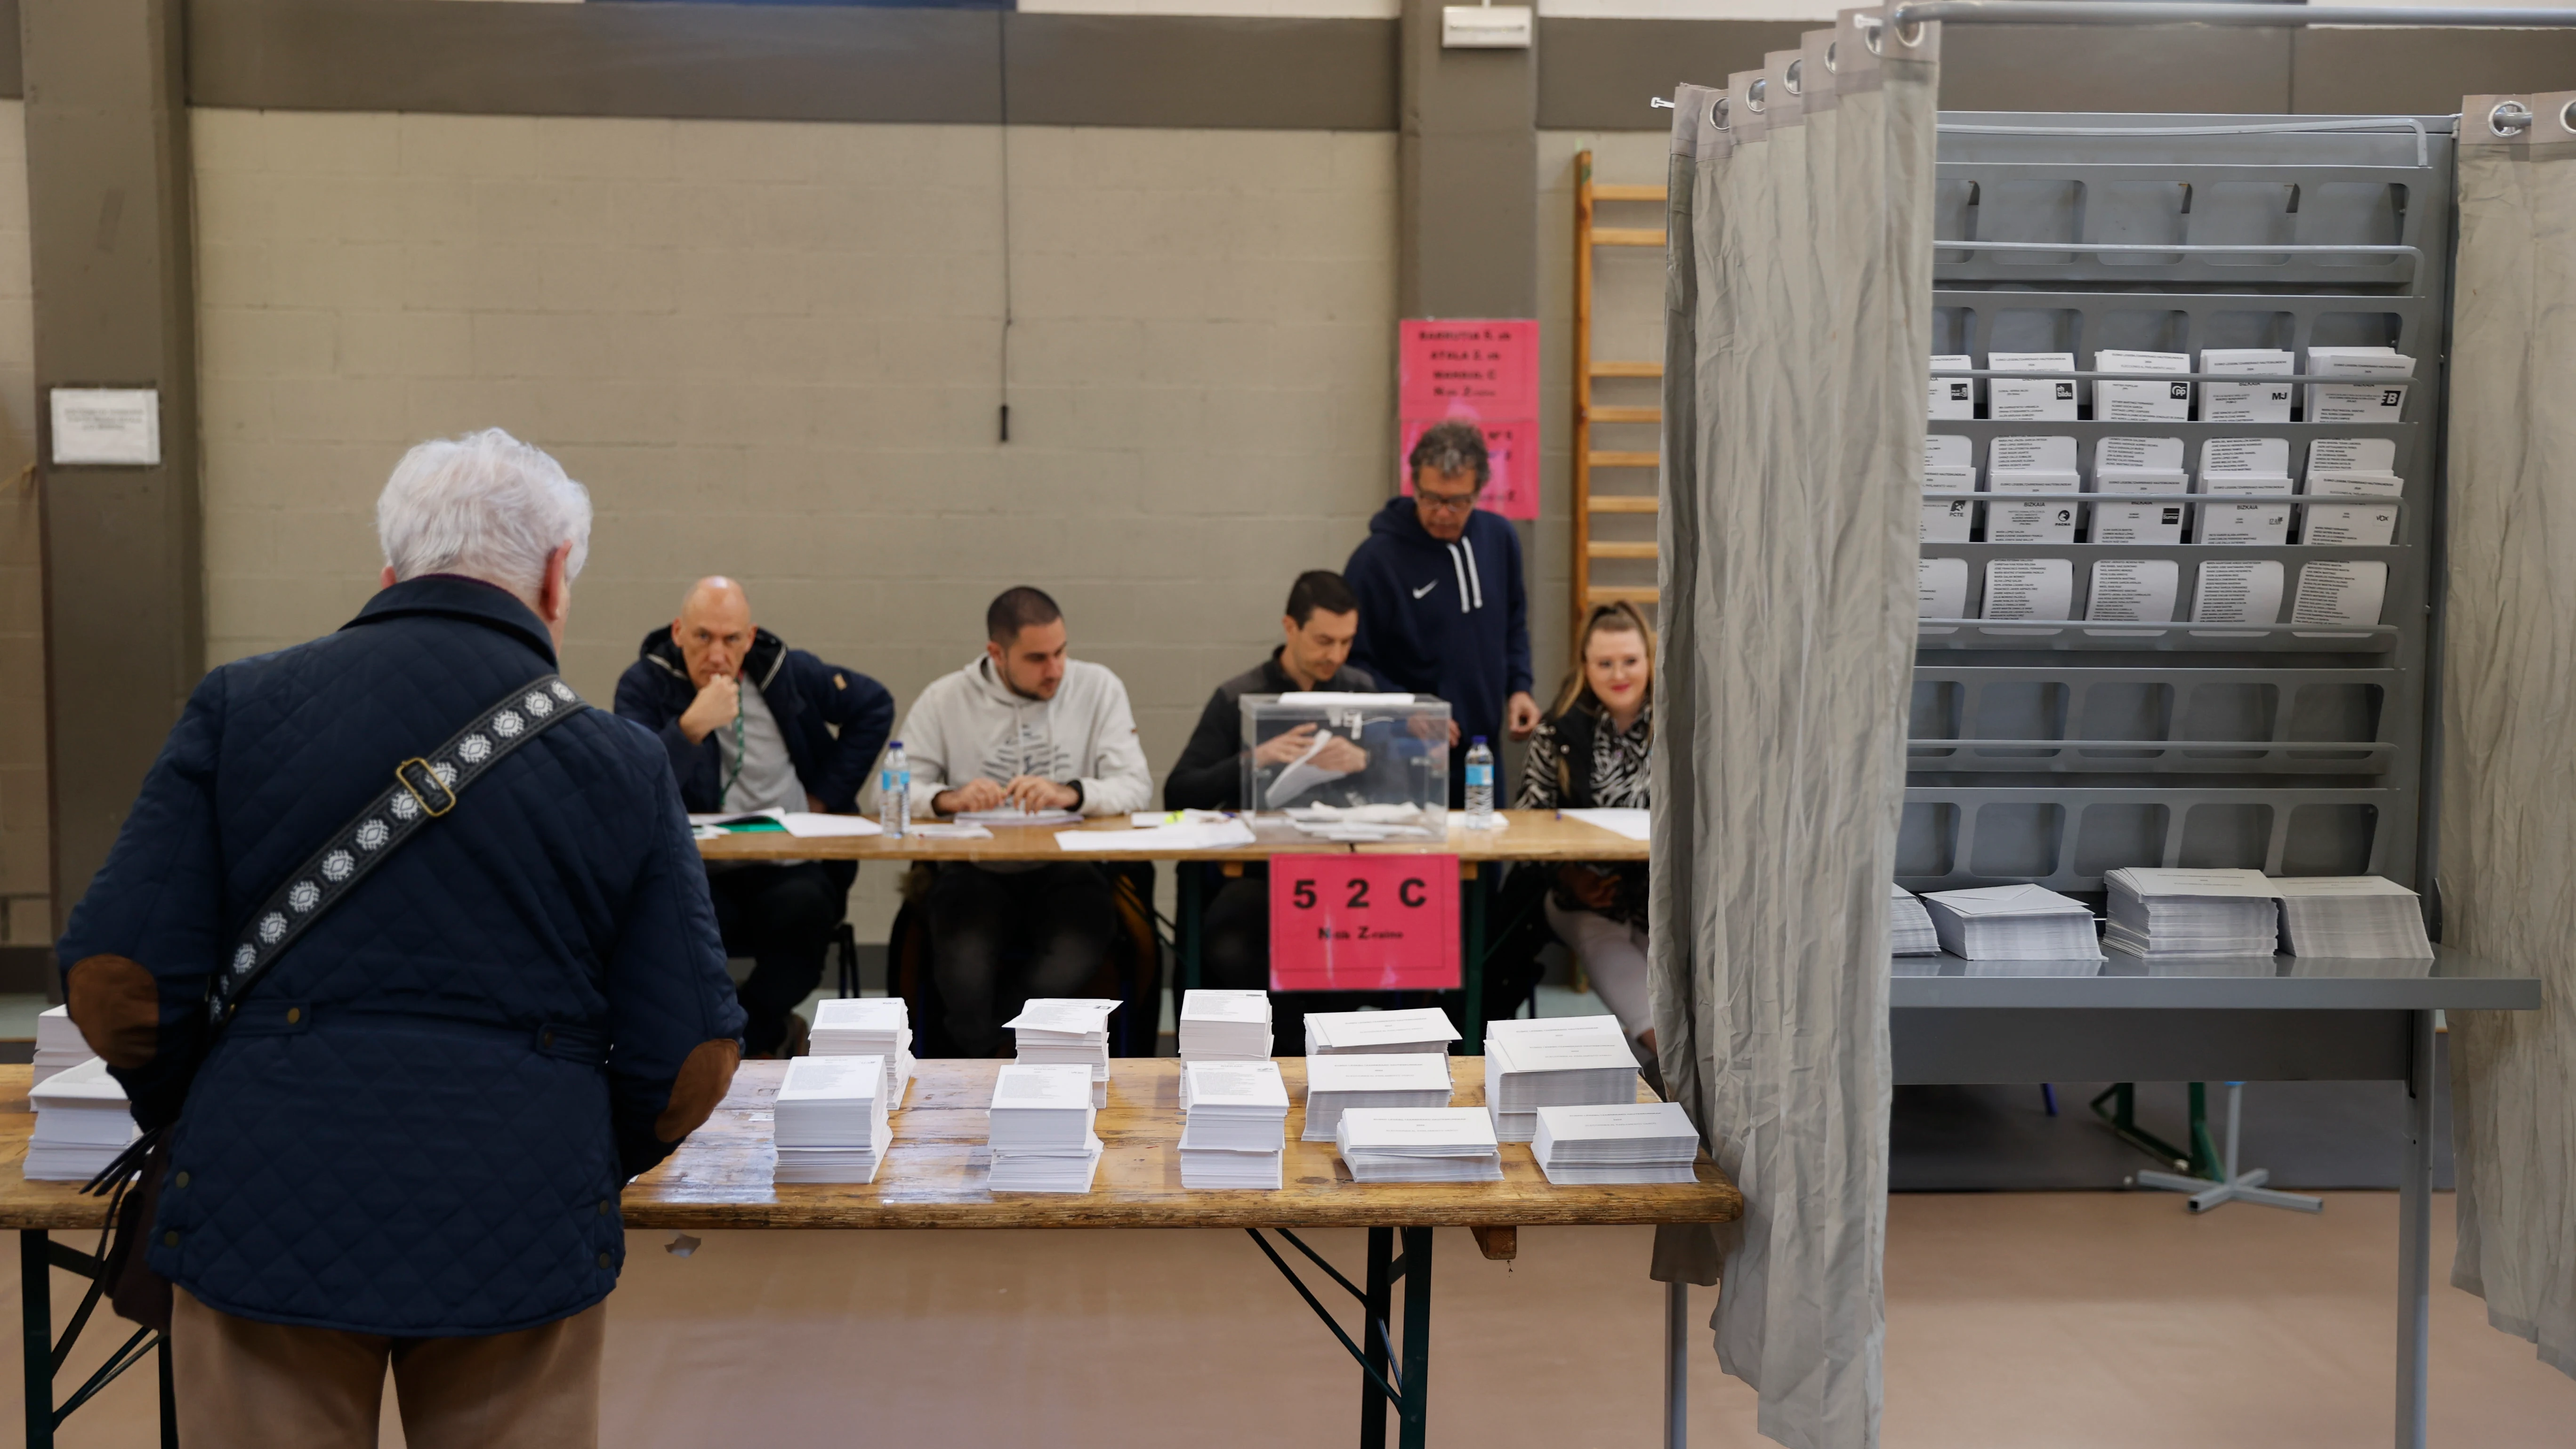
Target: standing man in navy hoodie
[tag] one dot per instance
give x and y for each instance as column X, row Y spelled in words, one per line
column 1443, row 610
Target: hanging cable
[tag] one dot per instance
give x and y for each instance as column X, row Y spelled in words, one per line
column 1002, row 83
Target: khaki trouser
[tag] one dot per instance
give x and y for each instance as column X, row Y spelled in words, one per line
column 240, row 1382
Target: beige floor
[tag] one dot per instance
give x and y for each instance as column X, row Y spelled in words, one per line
column 2097, row 1320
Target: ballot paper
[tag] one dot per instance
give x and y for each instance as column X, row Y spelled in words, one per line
column 2137, row 522
column 1634, row 823
column 1941, row 588
column 2347, row 592
column 2126, row 399
column 82, row 1123
column 1951, row 397
column 1438, row 1144
column 830, row 1120
column 59, row 1044
column 1217, row 836
column 1909, row 926
column 2133, row 591
column 2163, row 914
column 1335, row 1084
column 2367, row 525
column 2017, row 455
column 1642, row 1142
column 2364, row 916
column 1301, row 774
column 2332, row 483
column 2012, row 923
column 2246, row 402
column 1948, row 450
column 2244, row 523
column 1014, row 815
column 1066, row 1031
column 1555, row 1061
column 2144, row 455
column 1071, row 1170
column 1235, row 1135
column 1041, row 1133
column 2029, row 588
column 939, row 830
column 2039, row 522
column 2253, row 457
column 1947, row 520
column 2034, row 399
column 2229, row 592
column 1224, row 1026
column 2373, row 389
column 2352, row 455
column 1406, row 1032
column 878, row 1026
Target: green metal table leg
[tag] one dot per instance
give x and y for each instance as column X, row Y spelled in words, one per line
column 1415, row 1415
column 2123, row 1119
column 1374, row 1304
column 1472, row 967
column 2205, row 1159
column 1193, row 907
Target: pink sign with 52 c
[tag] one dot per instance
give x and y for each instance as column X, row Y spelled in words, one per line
column 1484, row 372
column 1364, row 923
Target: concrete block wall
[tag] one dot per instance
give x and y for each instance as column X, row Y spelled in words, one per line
column 775, row 350
column 25, row 869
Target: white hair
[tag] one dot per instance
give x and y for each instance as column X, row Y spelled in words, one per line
column 484, row 505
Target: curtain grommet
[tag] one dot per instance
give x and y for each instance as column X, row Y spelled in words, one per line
column 1910, row 34
column 2509, row 118
column 1717, row 114
column 1794, row 75
column 1832, row 48
column 1872, row 28
column 1759, row 87
column 2567, row 118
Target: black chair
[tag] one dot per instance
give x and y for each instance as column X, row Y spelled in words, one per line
column 1131, row 974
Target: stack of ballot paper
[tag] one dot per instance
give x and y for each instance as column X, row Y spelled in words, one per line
column 1041, row 1134
column 1401, row 1033
column 2162, row 914
column 2247, row 402
column 1237, row 1128
column 2031, row 465
column 2352, row 468
column 2370, row 385
column 2140, row 398
column 1559, row 1061
column 1437, row 1144
column 1334, row 1085
column 868, row 1026
column 81, row 1124
column 1952, row 397
column 2352, row 915
column 1639, row 1142
column 1909, row 926
column 831, row 1120
column 1949, row 477
column 59, row 1044
column 2035, row 399
column 2013, row 923
column 1056, row 1031
column 1017, row 815
column 2244, row 468
column 1225, row 1026
column 2130, row 469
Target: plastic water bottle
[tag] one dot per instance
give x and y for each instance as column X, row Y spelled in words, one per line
column 1480, row 786
column 894, row 791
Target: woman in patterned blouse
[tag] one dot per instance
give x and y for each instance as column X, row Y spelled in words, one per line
column 1591, row 752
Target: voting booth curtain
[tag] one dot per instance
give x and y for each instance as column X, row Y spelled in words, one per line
column 2507, row 867
column 1798, row 345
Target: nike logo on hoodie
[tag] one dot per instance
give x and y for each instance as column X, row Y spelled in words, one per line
column 1426, row 588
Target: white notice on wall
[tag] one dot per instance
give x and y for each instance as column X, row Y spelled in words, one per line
column 2029, row 588
column 1952, row 397
column 2133, row 591
column 2229, row 592
column 107, row 426
column 2340, row 591
column 1941, row 588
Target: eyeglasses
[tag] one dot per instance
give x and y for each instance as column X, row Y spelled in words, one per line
column 1447, row 502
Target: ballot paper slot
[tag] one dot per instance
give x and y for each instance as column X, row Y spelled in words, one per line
column 2150, row 722
column 2064, row 836
column 2336, row 516
column 2355, row 757
column 1971, row 634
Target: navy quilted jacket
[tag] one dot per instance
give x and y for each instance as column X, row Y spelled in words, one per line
column 420, row 1120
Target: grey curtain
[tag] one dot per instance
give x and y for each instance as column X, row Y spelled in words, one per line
column 1797, row 352
column 2508, row 845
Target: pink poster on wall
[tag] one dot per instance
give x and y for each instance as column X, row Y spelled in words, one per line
column 1486, row 372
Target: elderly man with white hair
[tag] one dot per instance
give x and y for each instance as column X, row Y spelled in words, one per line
column 406, row 962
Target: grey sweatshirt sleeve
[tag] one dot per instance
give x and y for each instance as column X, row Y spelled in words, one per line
column 1116, row 780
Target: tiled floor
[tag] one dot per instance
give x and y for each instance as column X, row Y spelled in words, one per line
column 2020, row 1321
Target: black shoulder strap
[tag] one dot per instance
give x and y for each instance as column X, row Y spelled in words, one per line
column 1574, row 741
column 423, row 790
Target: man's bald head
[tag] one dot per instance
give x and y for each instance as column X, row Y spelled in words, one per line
column 714, row 630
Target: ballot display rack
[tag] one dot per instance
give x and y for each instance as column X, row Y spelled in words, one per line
column 2050, row 752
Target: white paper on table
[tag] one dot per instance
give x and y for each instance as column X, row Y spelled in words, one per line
column 2029, row 588
column 2030, row 522
column 1632, row 824
column 1947, row 520
column 738, row 817
column 2031, row 454
column 2337, row 885
column 2230, row 592
column 1951, row 397
column 1158, row 837
column 1017, row 815
column 808, row 825
column 2345, row 592
column 1146, row 819
column 1072, row 1014
column 1941, row 588
column 2356, row 402
column 1948, row 450
column 2353, row 525
column 2133, row 590
column 2135, row 481
column 2160, row 454
column 2353, row 455
column 2137, row 522
column 2269, row 457
column 938, row 830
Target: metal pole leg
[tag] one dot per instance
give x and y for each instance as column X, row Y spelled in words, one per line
column 1193, row 904
column 169, row 1400
column 2415, row 1239
column 1415, row 1415
column 1676, row 1365
column 1472, row 968
column 36, row 1306
column 1375, row 1306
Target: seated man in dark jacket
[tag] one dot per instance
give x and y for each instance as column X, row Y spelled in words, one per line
column 1322, row 619
column 803, row 737
column 406, row 1143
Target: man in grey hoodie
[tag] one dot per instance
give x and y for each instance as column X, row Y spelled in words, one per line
column 1024, row 726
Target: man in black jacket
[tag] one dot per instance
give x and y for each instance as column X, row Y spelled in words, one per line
column 1323, row 618
column 803, row 737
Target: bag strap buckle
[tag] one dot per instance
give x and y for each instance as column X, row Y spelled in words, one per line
column 416, row 776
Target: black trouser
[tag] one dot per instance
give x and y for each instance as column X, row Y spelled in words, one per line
column 998, row 938
column 782, row 917
column 1234, row 955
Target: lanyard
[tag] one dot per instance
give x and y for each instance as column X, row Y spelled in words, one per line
column 740, row 750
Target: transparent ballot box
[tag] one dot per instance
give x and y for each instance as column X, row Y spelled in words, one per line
column 1349, row 766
